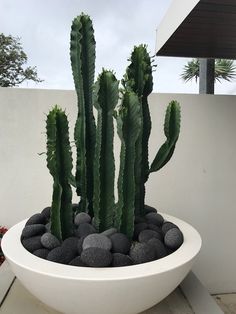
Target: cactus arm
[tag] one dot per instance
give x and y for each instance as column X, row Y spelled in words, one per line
column 72, row 181
column 55, row 210
column 129, row 124
column 104, row 166
column 121, row 177
column 83, row 68
column 171, row 130
column 64, row 161
column 52, row 166
column 97, row 182
column 59, row 162
column 139, row 79
column 145, row 137
column 81, row 170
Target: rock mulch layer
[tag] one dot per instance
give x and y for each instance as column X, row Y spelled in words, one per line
column 153, row 238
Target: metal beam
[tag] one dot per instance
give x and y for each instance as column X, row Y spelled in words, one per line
column 206, row 76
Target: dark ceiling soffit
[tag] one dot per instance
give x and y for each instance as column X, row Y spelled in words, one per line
column 209, row 31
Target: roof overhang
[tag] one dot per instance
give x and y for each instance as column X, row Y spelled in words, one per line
column 198, row 28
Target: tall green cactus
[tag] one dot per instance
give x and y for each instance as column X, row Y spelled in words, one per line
column 104, row 165
column 171, row 129
column 59, row 162
column 82, row 52
column 95, row 166
column 139, row 79
column 129, row 123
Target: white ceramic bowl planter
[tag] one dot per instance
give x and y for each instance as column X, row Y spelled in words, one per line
column 84, row 290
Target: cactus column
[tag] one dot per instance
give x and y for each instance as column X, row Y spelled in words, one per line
column 129, row 122
column 138, row 78
column 59, row 162
column 104, row 165
column 83, row 68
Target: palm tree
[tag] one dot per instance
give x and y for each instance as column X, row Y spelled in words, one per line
column 224, row 70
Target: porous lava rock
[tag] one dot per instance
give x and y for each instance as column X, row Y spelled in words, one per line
column 33, row 230
column 120, row 243
column 96, row 257
column 173, row 238
column 37, row 219
column 119, row 260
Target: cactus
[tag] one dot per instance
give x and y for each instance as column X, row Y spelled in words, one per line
column 129, row 122
column 171, row 129
column 139, row 79
column 59, row 163
column 82, row 52
column 95, row 166
column 104, row 164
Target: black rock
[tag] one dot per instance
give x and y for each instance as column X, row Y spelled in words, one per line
column 60, row 255
column 96, row 257
column 97, row 240
column 109, row 232
column 49, row 241
column 142, row 253
column 154, row 218
column 167, row 226
column 77, row 262
column 84, row 230
column 169, row 251
column 56, row 255
column 48, row 226
column 32, row 244
column 159, row 248
column 149, row 209
column 81, row 218
column 37, row 219
column 80, row 245
column 173, row 238
column 71, row 243
column 155, row 228
column 42, row 253
column 148, row 234
column 119, row 260
column 120, row 243
column 33, row 230
column 138, row 228
column 139, row 219
column 46, row 212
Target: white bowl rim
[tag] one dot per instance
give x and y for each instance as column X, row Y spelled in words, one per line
column 16, row 254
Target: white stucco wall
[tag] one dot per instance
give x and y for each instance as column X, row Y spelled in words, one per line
column 197, row 185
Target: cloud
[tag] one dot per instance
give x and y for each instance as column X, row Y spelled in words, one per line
column 44, row 27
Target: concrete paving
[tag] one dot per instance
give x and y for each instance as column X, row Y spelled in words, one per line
column 227, row 302
column 20, row 301
column 191, row 298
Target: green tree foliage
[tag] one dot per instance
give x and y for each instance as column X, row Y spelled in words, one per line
column 13, row 59
column 224, row 70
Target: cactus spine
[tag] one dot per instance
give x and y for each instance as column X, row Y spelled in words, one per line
column 138, row 78
column 59, row 162
column 82, row 52
column 129, row 122
column 104, row 164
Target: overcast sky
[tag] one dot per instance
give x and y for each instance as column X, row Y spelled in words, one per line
column 44, row 28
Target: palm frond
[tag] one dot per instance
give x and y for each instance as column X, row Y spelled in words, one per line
column 191, row 70
column 224, row 70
